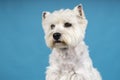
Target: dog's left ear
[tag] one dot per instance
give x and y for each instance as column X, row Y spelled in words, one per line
column 80, row 14
column 79, row 11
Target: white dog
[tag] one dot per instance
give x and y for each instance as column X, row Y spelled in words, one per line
column 64, row 34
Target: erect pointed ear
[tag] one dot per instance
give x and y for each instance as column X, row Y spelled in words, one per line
column 79, row 11
column 45, row 14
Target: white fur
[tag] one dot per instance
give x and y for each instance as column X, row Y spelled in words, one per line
column 71, row 60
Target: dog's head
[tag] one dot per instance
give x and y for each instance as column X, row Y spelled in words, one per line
column 64, row 28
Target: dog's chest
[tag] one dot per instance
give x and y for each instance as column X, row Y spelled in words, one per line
column 68, row 61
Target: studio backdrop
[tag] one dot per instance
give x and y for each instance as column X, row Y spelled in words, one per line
column 23, row 52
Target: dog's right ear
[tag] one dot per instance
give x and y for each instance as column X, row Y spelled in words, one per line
column 45, row 14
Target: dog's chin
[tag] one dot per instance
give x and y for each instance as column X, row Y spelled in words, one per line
column 59, row 44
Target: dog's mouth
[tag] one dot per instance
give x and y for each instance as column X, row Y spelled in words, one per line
column 58, row 42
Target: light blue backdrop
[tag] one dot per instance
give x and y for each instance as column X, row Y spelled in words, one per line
column 23, row 53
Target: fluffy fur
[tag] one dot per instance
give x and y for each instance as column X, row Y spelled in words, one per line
column 69, row 59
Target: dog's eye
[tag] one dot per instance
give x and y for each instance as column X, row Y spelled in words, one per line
column 52, row 26
column 67, row 24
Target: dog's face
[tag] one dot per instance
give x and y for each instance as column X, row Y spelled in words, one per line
column 64, row 28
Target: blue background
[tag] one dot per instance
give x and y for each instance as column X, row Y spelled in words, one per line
column 23, row 52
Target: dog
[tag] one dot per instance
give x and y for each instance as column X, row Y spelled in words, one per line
column 64, row 34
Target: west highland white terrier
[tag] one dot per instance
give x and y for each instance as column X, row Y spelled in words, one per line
column 64, row 34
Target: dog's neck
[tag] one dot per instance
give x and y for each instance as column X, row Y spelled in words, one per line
column 70, row 56
column 79, row 49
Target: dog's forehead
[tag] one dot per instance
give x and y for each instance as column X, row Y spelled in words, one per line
column 61, row 15
column 63, row 11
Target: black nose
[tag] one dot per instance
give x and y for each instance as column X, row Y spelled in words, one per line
column 56, row 36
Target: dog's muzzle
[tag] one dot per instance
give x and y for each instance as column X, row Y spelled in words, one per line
column 56, row 36
column 58, row 42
